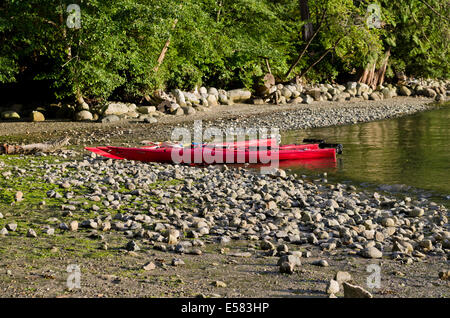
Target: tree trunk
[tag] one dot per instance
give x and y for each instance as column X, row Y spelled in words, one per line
column 33, row 148
column 165, row 48
column 304, row 13
column 382, row 70
column 162, row 55
column 373, row 77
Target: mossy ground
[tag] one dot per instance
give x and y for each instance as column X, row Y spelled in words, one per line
column 37, row 267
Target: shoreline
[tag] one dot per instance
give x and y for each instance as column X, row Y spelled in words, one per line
column 285, row 117
column 150, row 230
column 218, row 221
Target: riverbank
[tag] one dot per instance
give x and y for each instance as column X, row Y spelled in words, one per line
column 160, row 230
column 284, row 117
column 148, row 230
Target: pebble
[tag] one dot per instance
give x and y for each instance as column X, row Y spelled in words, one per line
column 49, row 231
column 321, row 263
column 149, row 266
column 444, row 275
column 332, row 287
column 354, row 291
column 240, row 254
column 19, row 196
column 417, row 212
column 291, row 259
column 177, row 262
column 342, row 277
column 31, row 233
column 287, row 268
column 371, row 252
column 195, row 251
column 132, row 246
column 388, row 222
column 11, row 227
column 219, row 284
column 73, row 226
column 267, row 245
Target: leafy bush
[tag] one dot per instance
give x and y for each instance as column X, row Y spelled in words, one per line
column 211, row 42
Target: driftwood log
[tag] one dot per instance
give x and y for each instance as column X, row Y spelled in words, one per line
column 33, row 148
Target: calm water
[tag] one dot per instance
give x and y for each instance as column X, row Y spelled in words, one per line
column 412, row 151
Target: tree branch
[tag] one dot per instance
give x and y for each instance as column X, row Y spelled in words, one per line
column 307, row 45
column 320, row 58
column 434, row 10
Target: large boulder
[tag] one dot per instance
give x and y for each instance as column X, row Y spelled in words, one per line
column 147, row 109
column 10, row 114
column 223, row 99
column 173, row 107
column 110, row 119
column 375, row 96
column 37, row 116
column 191, row 97
column 352, row 85
column 118, row 108
column 362, row 88
column 314, row 93
column 239, row 95
column 307, row 99
column 352, row 91
column 333, row 91
column 163, row 106
column 180, row 98
column 213, row 91
column 84, row 115
column 404, row 91
column 429, row 92
column 286, row 92
column 189, row 110
column 440, row 98
column 387, row 93
column 212, row 100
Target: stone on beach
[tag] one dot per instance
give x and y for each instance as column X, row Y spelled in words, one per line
column 354, row 291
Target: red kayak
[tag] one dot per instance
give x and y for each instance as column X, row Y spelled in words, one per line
column 268, row 142
column 214, row 155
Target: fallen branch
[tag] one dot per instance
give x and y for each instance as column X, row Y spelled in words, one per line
column 34, row 148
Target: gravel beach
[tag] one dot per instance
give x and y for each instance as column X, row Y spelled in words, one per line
column 140, row 230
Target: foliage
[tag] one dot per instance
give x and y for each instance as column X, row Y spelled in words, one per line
column 418, row 36
column 221, row 43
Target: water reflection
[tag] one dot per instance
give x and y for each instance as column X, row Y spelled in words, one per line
column 412, row 150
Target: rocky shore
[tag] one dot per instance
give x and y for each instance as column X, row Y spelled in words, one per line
column 182, row 103
column 181, row 211
column 211, row 228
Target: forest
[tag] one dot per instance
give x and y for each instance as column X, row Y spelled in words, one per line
column 126, row 49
